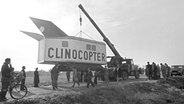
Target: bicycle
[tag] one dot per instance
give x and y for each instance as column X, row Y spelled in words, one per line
column 15, row 87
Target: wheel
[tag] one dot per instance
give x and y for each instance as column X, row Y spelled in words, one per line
column 136, row 74
column 17, row 93
column 124, row 75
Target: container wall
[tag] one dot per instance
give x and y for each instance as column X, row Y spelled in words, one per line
column 73, row 50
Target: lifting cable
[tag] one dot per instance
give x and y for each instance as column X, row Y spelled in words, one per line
column 80, row 25
column 80, row 20
column 81, row 32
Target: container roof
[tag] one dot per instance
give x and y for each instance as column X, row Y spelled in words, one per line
column 79, row 39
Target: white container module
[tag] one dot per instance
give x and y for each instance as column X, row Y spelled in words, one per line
column 56, row 47
column 71, row 49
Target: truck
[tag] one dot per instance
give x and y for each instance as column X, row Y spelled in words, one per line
column 118, row 66
column 177, row 70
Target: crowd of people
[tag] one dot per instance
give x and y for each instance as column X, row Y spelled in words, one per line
column 78, row 76
column 155, row 71
column 7, row 72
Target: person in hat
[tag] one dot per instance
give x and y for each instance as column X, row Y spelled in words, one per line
column 6, row 71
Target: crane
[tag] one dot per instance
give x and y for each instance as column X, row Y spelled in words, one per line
column 111, row 46
column 125, row 69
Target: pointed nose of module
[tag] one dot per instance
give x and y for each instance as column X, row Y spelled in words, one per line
column 35, row 36
column 48, row 29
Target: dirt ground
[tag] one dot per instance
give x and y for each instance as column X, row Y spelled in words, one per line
column 131, row 91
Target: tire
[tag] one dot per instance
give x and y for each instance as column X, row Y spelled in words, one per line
column 136, row 74
column 16, row 93
column 124, row 75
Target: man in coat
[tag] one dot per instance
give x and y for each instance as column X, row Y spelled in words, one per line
column 89, row 78
column 168, row 70
column 149, row 71
column 163, row 70
column 36, row 78
column 6, row 71
column 75, row 77
column 54, row 76
column 154, row 71
column 95, row 79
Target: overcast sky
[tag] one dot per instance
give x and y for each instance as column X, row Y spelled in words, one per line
column 145, row 30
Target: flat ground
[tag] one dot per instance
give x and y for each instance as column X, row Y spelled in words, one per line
column 65, row 87
column 131, row 91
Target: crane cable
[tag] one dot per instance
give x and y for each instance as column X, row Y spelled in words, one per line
column 80, row 20
column 81, row 32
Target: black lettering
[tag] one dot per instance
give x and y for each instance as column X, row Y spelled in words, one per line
column 98, row 56
column 61, row 52
column 80, row 52
column 103, row 57
column 57, row 53
column 90, row 55
column 74, row 54
column 94, row 55
column 49, row 52
column 85, row 55
column 67, row 53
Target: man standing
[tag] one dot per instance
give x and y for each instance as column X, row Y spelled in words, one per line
column 154, row 71
column 158, row 71
column 89, row 78
column 6, row 71
column 23, row 78
column 163, row 69
column 168, row 70
column 148, row 71
column 95, row 79
column 54, row 76
column 36, row 78
column 75, row 77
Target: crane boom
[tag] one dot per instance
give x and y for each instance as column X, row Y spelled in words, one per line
column 111, row 46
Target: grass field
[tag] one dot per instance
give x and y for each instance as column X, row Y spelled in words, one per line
column 45, row 78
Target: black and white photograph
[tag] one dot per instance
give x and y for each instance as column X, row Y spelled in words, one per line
column 92, row 52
